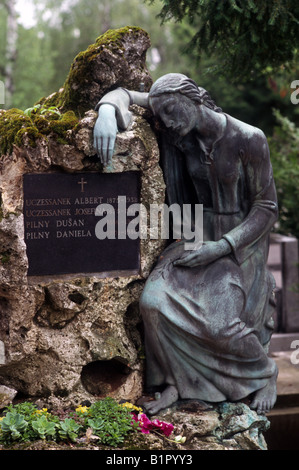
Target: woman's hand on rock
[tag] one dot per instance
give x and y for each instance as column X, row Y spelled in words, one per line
column 104, row 133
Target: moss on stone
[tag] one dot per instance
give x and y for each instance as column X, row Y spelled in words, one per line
column 82, row 67
column 42, row 124
column 86, row 82
column 18, row 128
column 66, row 122
column 11, row 122
column 30, row 133
column 52, row 100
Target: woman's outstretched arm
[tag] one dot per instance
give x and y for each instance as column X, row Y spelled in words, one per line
column 114, row 115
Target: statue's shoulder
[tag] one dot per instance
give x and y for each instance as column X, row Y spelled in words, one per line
column 251, row 141
column 244, row 130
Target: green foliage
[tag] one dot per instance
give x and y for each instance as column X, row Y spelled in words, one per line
column 39, row 423
column 69, row 429
column 33, row 109
column 246, row 35
column 284, row 146
column 44, row 428
column 42, row 110
column 107, row 420
column 25, row 408
column 13, row 425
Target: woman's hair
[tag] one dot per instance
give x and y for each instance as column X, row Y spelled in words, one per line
column 179, row 83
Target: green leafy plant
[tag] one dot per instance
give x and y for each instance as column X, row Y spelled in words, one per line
column 110, row 421
column 32, row 109
column 69, row 429
column 51, row 109
column 26, row 409
column 13, row 425
column 106, row 419
column 41, row 110
column 96, row 424
column 44, row 428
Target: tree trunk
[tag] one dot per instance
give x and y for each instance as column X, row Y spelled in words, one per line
column 106, row 20
column 11, row 50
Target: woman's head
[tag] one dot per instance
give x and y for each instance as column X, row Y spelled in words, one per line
column 179, row 83
column 177, row 100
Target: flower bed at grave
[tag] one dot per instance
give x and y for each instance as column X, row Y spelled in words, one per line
column 104, row 422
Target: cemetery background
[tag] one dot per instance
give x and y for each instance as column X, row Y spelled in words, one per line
column 59, row 305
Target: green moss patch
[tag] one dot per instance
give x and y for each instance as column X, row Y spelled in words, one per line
column 26, row 127
column 11, row 122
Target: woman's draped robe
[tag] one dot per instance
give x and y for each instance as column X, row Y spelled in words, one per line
column 207, row 328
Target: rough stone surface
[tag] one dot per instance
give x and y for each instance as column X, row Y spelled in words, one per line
column 228, row 426
column 77, row 337
column 6, row 395
column 48, row 335
column 116, row 59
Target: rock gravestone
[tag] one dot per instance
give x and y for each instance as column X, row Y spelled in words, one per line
column 71, row 330
column 69, row 325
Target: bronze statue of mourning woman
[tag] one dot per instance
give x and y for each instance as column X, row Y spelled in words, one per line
column 207, row 312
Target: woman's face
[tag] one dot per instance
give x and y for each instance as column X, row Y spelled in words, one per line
column 177, row 112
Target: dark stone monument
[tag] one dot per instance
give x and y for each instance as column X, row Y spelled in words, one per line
column 60, row 219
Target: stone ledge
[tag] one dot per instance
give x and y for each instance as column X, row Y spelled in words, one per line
column 226, row 426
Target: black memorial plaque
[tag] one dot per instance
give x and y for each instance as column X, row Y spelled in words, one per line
column 60, row 223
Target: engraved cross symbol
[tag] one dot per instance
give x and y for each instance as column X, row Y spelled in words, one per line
column 82, row 182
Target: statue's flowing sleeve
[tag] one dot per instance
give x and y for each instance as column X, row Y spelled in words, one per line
column 246, row 237
column 121, row 99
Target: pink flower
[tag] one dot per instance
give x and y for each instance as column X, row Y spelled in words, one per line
column 146, row 425
column 166, row 428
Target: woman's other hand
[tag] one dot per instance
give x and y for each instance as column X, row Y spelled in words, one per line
column 209, row 252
